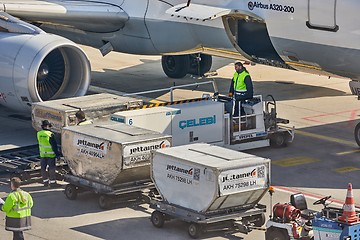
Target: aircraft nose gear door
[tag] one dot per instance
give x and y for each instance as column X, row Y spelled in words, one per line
column 322, row 15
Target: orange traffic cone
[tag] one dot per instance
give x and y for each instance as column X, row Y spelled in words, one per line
column 349, row 214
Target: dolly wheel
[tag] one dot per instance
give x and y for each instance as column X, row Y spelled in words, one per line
column 259, row 220
column 71, row 192
column 357, row 134
column 194, row 230
column 277, row 234
column 157, row 219
column 104, row 202
column 278, row 139
column 25, row 176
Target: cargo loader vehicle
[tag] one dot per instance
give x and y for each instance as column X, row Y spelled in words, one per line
column 210, row 120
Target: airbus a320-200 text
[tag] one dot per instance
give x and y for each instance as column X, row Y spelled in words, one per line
column 271, row 6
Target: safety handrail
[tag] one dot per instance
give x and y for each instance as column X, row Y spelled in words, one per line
column 171, row 89
column 240, row 117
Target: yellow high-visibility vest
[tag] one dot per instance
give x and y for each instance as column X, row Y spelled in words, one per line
column 85, row 122
column 45, row 148
column 239, row 81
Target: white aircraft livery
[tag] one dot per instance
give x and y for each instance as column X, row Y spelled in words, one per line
column 40, row 59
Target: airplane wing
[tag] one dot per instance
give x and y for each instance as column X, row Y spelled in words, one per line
column 87, row 16
column 11, row 24
column 204, row 12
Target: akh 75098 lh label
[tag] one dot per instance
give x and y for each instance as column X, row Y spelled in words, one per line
column 240, row 180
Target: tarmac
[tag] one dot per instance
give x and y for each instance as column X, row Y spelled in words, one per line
column 321, row 161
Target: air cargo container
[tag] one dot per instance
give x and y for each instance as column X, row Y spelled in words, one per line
column 207, row 186
column 110, row 153
column 110, row 159
column 61, row 113
column 204, row 177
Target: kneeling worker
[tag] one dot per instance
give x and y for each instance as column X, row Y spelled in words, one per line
column 80, row 117
column 241, row 87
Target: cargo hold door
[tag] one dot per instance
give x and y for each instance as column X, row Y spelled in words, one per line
column 322, row 15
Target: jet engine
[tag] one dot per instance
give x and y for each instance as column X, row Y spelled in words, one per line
column 40, row 67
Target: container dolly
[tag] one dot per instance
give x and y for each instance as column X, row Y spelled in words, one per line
column 108, row 194
column 242, row 219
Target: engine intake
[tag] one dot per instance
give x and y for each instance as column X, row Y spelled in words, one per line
column 40, row 67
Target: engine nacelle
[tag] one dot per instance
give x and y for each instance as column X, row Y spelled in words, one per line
column 40, row 67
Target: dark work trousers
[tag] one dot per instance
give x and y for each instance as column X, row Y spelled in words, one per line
column 18, row 235
column 51, row 163
column 238, row 100
column 236, row 108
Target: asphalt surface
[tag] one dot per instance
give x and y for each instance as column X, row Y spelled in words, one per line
column 321, row 161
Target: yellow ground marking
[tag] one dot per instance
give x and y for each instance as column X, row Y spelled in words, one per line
column 346, row 169
column 348, row 152
column 329, row 139
column 156, row 101
column 295, row 161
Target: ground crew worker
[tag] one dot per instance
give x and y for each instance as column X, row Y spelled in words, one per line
column 17, row 207
column 48, row 154
column 80, row 117
column 241, row 87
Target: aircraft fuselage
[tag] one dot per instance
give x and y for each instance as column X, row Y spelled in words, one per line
column 318, row 34
column 309, row 35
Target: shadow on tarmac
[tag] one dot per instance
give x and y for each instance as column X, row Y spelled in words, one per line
column 324, row 156
column 311, row 161
column 52, row 203
column 293, row 91
column 173, row 229
column 124, row 80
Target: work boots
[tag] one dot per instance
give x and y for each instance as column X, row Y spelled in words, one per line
column 46, row 182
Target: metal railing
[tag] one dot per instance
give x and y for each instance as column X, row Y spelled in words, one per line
column 171, row 89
